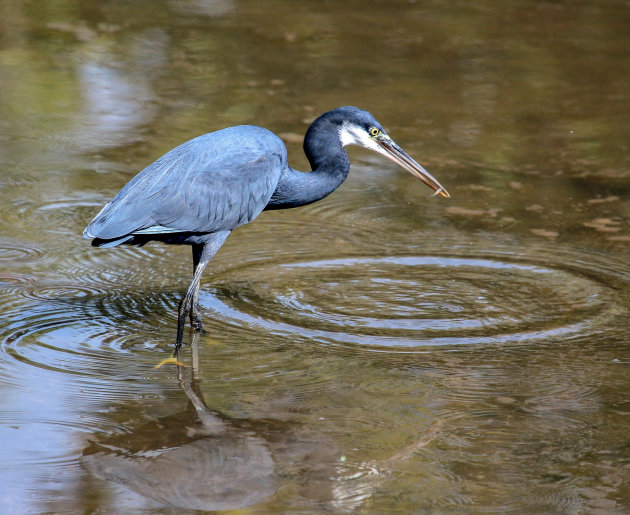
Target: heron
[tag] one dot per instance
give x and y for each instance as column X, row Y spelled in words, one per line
column 199, row 192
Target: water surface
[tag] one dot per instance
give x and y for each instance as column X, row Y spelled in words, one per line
column 380, row 350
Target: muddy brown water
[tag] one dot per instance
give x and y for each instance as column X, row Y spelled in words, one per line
column 380, row 350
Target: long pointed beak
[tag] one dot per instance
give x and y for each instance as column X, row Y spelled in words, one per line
column 404, row 160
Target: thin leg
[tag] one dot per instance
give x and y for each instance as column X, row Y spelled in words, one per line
column 195, row 310
column 207, row 251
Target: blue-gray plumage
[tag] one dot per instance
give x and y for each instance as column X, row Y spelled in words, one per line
column 203, row 189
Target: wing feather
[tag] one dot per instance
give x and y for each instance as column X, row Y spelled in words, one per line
column 215, row 182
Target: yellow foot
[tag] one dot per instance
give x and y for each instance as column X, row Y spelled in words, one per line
column 167, row 361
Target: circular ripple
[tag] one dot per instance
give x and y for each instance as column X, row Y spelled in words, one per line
column 413, row 301
column 17, row 254
column 78, row 330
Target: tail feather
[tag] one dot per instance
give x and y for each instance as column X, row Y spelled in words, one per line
column 104, row 243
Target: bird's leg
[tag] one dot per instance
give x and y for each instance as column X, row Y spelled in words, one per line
column 195, row 311
column 206, row 252
column 184, row 306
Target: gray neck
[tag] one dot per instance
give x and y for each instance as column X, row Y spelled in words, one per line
column 329, row 162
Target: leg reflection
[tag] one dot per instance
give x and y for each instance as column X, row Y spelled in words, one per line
column 189, row 460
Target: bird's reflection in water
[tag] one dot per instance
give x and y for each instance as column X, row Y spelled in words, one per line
column 212, row 464
column 201, row 460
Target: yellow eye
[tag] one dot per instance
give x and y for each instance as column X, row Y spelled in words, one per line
column 374, row 131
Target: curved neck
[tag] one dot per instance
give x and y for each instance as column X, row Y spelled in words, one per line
column 329, row 162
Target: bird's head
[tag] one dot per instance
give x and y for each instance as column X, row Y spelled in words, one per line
column 358, row 127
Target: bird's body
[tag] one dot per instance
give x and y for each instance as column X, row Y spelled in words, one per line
column 200, row 191
column 196, row 189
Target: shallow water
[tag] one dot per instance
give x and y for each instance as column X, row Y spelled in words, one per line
column 380, row 350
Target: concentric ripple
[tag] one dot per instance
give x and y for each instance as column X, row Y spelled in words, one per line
column 412, row 301
column 13, row 253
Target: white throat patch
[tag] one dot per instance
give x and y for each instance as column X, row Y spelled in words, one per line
column 352, row 134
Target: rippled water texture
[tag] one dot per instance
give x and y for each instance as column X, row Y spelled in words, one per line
column 403, row 302
column 380, row 350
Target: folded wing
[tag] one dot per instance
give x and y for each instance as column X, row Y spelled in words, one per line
column 215, row 182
